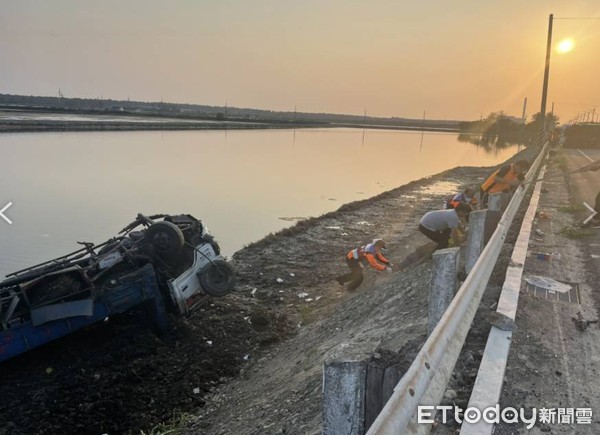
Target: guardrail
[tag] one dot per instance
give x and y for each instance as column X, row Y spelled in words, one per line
column 490, row 377
column 425, row 381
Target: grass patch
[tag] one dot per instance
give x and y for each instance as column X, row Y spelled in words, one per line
column 174, row 426
column 571, row 208
column 575, row 233
column 306, row 314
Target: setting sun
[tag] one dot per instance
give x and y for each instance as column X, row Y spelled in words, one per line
column 565, row 45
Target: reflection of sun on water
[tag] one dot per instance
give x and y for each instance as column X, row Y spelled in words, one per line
column 565, row 45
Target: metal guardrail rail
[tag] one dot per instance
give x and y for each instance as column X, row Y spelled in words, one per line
column 425, row 381
column 490, row 377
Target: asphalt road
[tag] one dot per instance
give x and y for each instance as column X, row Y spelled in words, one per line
column 587, row 184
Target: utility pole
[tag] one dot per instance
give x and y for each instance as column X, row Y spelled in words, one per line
column 524, row 110
column 545, row 85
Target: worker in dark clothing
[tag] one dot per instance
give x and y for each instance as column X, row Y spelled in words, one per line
column 370, row 253
column 505, row 179
column 441, row 225
column 466, row 197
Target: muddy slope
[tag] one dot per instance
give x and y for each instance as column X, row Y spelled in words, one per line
column 279, row 391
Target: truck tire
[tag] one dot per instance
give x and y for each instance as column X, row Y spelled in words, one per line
column 217, row 278
column 166, row 238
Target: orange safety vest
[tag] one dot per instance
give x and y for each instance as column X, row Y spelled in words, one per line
column 457, row 199
column 492, row 186
column 368, row 252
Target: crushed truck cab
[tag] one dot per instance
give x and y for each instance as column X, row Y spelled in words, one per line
column 169, row 264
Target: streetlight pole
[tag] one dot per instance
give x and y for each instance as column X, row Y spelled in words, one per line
column 545, row 86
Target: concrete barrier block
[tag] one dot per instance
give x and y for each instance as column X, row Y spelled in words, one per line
column 344, row 385
column 444, row 284
column 496, row 201
column 373, row 393
column 475, row 238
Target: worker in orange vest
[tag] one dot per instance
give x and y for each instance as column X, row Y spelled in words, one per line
column 505, row 179
column 370, row 253
column 467, row 197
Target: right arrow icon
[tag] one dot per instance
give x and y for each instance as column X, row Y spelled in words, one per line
column 3, row 216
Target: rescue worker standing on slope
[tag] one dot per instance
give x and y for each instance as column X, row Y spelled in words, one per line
column 505, row 179
column 355, row 258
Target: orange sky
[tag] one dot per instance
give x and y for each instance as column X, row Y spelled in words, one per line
column 455, row 60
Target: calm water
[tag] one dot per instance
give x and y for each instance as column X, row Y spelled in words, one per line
column 69, row 187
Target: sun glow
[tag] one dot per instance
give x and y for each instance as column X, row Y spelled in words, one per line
column 565, row 45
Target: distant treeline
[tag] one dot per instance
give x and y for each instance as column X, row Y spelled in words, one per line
column 188, row 111
column 583, row 136
column 500, row 131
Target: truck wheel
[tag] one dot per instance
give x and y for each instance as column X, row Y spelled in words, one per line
column 217, row 279
column 166, row 238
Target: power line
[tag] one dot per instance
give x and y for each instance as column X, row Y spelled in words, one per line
column 577, row 18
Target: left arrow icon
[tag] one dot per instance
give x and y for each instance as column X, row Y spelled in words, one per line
column 3, row 216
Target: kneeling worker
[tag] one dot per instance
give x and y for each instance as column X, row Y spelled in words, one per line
column 440, row 225
column 354, row 259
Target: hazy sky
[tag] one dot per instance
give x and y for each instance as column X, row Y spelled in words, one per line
column 454, row 59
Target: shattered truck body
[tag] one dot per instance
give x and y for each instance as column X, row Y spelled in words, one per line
column 168, row 265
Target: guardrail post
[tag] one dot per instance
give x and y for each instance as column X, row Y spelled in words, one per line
column 344, row 385
column 475, row 237
column 444, row 267
column 494, row 214
column 381, row 380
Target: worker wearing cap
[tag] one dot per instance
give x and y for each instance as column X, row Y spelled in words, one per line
column 466, row 197
column 370, row 253
column 441, row 225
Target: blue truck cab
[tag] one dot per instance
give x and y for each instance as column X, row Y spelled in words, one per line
column 167, row 266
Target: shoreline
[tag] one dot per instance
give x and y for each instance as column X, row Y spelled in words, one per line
column 74, row 126
column 178, row 121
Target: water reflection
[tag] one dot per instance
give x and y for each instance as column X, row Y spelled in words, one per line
column 491, row 142
column 84, row 186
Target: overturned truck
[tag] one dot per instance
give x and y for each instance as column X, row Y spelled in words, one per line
column 161, row 263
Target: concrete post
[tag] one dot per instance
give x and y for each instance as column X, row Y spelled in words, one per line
column 495, row 201
column 494, row 214
column 344, row 385
column 475, row 238
column 444, row 266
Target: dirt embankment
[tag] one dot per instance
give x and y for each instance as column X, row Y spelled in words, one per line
column 250, row 362
column 280, row 390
